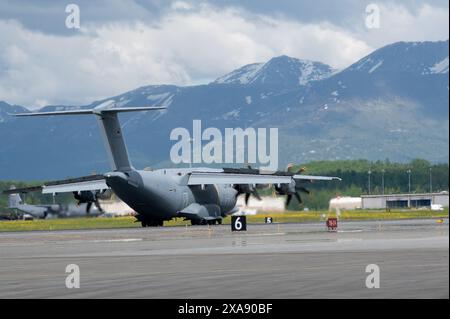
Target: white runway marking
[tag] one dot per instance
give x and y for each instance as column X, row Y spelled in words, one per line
column 350, row 231
column 115, row 240
column 343, row 240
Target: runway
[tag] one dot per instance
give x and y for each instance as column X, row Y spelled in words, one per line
column 267, row 261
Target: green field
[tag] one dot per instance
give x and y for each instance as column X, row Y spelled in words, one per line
column 288, row 217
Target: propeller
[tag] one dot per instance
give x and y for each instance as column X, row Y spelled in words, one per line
column 289, row 198
column 97, row 204
column 292, row 189
column 88, row 207
column 290, row 168
column 296, row 194
column 247, row 189
column 91, row 197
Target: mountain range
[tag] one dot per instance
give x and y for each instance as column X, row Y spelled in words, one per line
column 392, row 104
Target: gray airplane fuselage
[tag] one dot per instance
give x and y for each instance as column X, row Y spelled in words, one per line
column 161, row 195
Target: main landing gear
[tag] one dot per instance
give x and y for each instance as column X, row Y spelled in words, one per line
column 152, row 223
column 205, row 222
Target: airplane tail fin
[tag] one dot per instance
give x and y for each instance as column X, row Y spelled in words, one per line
column 110, row 128
column 14, row 200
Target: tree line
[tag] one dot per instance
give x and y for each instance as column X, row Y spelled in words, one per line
column 361, row 177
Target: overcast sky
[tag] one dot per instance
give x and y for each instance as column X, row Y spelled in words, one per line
column 122, row 45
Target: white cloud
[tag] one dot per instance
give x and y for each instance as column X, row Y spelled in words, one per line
column 181, row 5
column 188, row 43
column 397, row 23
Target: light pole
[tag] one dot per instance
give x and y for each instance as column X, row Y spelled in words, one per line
column 409, row 180
column 382, row 180
column 369, row 173
column 431, row 181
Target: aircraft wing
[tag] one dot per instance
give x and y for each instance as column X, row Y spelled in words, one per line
column 205, row 178
column 312, row 178
column 87, row 183
column 30, row 189
column 246, row 176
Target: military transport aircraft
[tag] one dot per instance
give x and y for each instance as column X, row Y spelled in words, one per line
column 201, row 195
column 82, row 209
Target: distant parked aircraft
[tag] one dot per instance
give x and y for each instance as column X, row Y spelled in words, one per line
column 83, row 209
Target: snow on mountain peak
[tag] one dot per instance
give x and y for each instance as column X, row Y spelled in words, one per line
column 411, row 57
column 243, row 75
column 281, row 70
column 440, row 67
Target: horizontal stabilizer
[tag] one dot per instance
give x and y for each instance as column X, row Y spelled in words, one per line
column 93, row 111
column 110, row 128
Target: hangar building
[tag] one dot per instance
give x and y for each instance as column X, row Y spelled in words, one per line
column 404, row 200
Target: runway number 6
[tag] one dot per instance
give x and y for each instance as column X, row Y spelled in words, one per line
column 238, row 223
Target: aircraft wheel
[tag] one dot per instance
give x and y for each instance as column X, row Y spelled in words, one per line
column 153, row 223
column 161, row 223
column 219, row 221
column 143, row 224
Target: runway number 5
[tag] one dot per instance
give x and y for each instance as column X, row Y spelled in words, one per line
column 238, row 223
